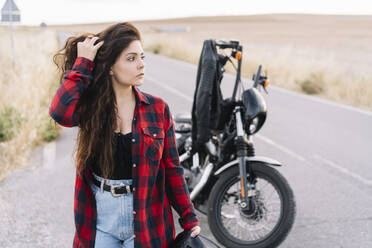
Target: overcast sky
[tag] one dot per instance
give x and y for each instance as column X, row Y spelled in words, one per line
column 33, row 12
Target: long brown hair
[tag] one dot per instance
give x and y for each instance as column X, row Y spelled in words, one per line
column 96, row 110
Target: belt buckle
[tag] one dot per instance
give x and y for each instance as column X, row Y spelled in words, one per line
column 113, row 187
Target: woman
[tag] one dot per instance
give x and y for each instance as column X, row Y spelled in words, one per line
column 128, row 173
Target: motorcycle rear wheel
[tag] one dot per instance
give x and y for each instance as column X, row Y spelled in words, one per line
column 221, row 213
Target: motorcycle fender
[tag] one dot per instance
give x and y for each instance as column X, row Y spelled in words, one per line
column 260, row 159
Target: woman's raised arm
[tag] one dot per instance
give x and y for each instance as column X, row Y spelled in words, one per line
column 75, row 81
column 62, row 108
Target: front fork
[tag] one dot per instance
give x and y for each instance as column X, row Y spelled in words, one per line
column 241, row 143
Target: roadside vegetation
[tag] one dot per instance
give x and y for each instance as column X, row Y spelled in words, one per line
column 25, row 94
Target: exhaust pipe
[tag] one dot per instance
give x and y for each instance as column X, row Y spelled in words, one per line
column 206, row 173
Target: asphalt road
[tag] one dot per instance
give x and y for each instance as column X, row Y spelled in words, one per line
column 324, row 147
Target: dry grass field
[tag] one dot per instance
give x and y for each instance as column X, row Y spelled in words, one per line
column 324, row 55
column 25, row 91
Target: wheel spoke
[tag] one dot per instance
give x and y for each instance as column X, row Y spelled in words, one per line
column 262, row 188
column 258, row 224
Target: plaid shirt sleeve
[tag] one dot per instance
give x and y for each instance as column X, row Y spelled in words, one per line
column 176, row 187
column 62, row 108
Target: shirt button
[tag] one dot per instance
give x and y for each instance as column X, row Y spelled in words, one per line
column 154, row 134
column 134, row 165
column 134, row 212
column 134, row 235
column 133, row 140
column 134, row 188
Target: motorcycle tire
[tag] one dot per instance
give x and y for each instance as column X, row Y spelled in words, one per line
column 286, row 219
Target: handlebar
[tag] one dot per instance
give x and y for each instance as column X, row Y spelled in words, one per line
column 237, row 48
column 227, row 44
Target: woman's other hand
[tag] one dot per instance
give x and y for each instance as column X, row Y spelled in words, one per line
column 87, row 49
column 195, row 231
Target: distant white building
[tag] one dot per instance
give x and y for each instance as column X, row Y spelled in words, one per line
column 173, row 29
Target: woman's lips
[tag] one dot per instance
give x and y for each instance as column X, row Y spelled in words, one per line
column 140, row 75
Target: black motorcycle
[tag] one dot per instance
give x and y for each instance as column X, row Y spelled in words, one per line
column 247, row 201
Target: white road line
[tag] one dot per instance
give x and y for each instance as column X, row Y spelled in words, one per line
column 280, row 147
column 179, row 93
column 267, row 140
column 173, row 60
column 344, row 170
column 321, row 100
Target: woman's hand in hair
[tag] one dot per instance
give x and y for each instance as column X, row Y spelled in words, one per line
column 87, row 49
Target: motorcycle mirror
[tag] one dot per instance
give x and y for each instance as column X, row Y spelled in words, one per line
column 266, row 83
column 256, row 76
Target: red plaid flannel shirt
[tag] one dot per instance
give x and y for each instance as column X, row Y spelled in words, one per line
column 157, row 177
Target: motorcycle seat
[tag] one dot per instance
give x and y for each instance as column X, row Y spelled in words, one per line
column 183, row 118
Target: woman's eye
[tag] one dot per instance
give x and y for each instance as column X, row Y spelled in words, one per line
column 133, row 58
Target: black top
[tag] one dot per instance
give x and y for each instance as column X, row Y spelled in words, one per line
column 122, row 158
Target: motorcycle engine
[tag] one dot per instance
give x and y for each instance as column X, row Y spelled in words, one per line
column 191, row 178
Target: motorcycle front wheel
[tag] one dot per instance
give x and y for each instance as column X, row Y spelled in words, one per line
column 269, row 219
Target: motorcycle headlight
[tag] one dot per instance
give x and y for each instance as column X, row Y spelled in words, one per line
column 254, row 110
column 253, row 125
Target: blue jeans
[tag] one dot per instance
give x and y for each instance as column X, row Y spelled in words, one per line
column 115, row 226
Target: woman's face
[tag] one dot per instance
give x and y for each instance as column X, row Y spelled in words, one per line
column 129, row 65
